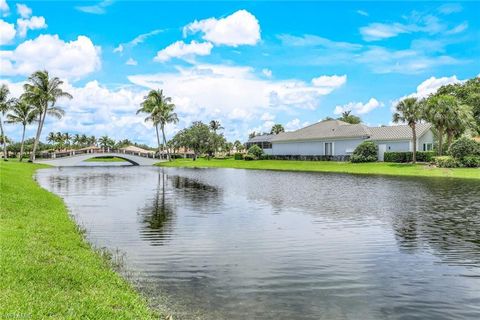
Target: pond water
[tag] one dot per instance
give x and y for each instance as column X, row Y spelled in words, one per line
column 238, row 244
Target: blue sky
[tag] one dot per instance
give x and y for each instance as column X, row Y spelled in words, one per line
column 247, row 64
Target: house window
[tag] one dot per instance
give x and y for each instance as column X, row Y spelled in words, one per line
column 427, row 146
column 328, row 149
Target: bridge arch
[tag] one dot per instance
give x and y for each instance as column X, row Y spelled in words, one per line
column 129, row 160
column 76, row 160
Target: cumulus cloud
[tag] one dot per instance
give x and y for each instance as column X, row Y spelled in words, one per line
column 4, row 8
column 239, row 28
column 267, row 72
column 295, row 124
column 234, row 92
column 72, row 60
column 358, row 107
column 23, row 10
column 32, row 23
column 184, row 50
column 432, row 84
column 7, row 32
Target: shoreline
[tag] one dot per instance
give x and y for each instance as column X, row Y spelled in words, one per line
column 373, row 168
column 49, row 269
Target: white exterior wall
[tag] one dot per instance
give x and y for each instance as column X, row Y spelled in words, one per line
column 426, row 138
column 396, row 146
column 314, row 148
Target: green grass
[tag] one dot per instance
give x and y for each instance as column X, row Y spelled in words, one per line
column 379, row 168
column 47, row 269
column 106, row 159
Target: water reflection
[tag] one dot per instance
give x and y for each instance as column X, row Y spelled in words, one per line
column 234, row 244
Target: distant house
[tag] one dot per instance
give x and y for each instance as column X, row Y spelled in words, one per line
column 337, row 139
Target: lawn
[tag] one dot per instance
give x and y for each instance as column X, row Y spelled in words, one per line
column 47, row 268
column 379, row 168
column 106, row 159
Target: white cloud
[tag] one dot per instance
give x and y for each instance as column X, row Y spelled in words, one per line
column 71, row 60
column 267, row 72
column 415, row 22
column 24, row 11
column 310, row 40
column 432, row 84
column 458, row 29
column 358, row 107
column 295, row 124
column 32, row 23
column 7, row 32
column 362, row 13
column 4, row 8
column 450, row 8
column 267, row 117
column 131, row 62
column 239, row 28
column 207, row 91
column 329, row 81
column 184, row 50
column 99, row 8
column 137, row 40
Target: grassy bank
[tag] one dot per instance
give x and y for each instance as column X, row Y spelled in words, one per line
column 380, row 168
column 47, row 269
column 106, row 159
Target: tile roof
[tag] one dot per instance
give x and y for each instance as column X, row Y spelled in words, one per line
column 336, row 129
column 325, row 129
column 402, row 132
column 261, row 138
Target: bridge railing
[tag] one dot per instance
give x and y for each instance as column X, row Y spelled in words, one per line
column 72, row 153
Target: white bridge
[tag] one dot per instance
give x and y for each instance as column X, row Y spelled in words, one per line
column 77, row 158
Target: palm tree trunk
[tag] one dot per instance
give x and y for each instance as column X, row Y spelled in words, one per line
column 449, row 137
column 4, row 140
column 37, row 136
column 165, row 142
column 414, row 136
column 158, row 140
column 440, row 141
column 23, row 140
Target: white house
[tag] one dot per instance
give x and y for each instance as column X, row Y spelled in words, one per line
column 338, row 139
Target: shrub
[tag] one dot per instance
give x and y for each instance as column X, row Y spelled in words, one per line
column 256, row 151
column 249, row 157
column 464, row 147
column 471, row 161
column 221, row 157
column 267, row 157
column 176, row 156
column 422, row 156
column 366, row 151
column 446, row 162
column 238, row 156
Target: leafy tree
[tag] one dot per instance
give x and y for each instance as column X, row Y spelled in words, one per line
column 199, row 138
column 23, row 113
column 160, row 112
column 255, row 151
column 468, row 93
column 5, row 104
column 409, row 111
column 464, row 147
column 277, row 128
column 43, row 92
column 252, row 135
column 238, row 145
column 349, row 118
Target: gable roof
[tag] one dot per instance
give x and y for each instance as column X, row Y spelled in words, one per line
column 402, row 132
column 261, row 138
column 331, row 129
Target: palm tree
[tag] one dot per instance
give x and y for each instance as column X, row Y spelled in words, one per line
column 51, row 138
column 160, row 112
column 458, row 121
column 106, row 142
column 349, row 118
column 92, row 140
column 215, row 125
column 439, row 111
column 83, row 140
column 43, row 92
column 59, row 140
column 67, row 137
column 409, row 111
column 5, row 104
column 24, row 113
column 77, row 140
column 277, row 128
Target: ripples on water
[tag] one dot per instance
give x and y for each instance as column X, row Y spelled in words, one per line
column 235, row 244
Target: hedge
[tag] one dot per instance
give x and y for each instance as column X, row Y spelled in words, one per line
column 422, row 156
column 238, row 156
